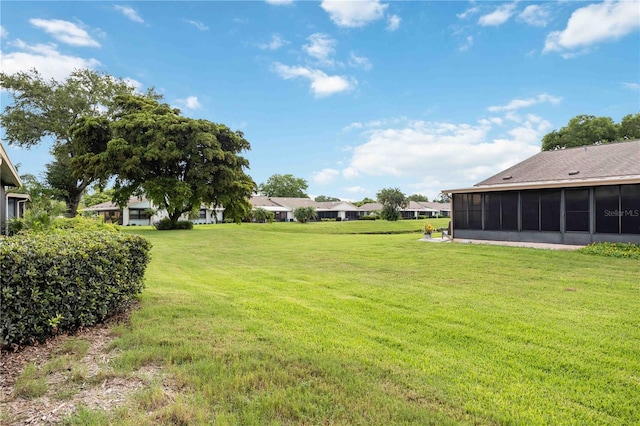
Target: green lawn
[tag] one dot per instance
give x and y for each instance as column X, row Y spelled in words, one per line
column 291, row 323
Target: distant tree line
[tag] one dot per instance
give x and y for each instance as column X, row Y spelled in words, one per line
column 588, row 130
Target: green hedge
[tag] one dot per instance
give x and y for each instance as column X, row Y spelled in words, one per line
column 166, row 224
column 58, row 282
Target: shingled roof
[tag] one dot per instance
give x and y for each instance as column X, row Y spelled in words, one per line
column 608, row 163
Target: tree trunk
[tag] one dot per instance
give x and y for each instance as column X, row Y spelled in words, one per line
column 72, row 205
column 175, row 216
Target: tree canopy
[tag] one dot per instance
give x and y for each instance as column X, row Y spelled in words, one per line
column 98, row 197
column 417, row 197
column 179, row 163
column 284, row 186
column 43, row 110
column 365, row 200
column 324, row 198
column 588, row 130
column 442, row 198
column 392, row 200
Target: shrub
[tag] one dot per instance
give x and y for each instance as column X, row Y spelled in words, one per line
column 166, row 224
column 631, row 251
column 262, row 215
column 183, row 224
column 42, row 221
column 369, row 217
column 55, row 282
column 79, row 223
column 390, row 213
column 305, row 214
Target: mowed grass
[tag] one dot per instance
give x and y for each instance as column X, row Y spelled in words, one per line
column 312, row 324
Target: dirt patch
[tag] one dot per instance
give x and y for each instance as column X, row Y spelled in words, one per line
column 88, row 381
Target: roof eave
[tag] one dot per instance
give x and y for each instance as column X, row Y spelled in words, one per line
column 9, row 173
column 568, row 183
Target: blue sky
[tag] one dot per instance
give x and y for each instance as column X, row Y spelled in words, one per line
column 353, row 96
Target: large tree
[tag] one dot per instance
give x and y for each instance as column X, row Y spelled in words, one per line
column 284, row 186
column 442, row 198
column 392, row 200
column 581, row 130
column 47, row 110
column 629, row 127
column 179, row 163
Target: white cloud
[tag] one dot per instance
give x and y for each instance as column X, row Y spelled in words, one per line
column 321, row 47
column 498, row 16
column 595, row 23
column 359, row 61
column 276, row 43
column 535, row 15
column 191, row 102
column 353, row 14
column 468, row 12
column 130, row 13
column 516, row 104
column 199, row 25
column 133, row 83
column 321, row 84
column 631, row 86
column 279, row 2
column 45, row 58
column 325, row 176
column 353, row 126
column 355, row 189
column 3, row 32
column 429, row 153
column 466, row 44
column 393, row 22
column 65, row 31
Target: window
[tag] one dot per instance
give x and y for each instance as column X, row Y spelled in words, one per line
column 460, row 211
column 607, row 209
column 576, row 203
column 492, row 211
column 203, row 214
column 530, row 208
column 630, row 209
column 550, row 210
column 509, row 211
column 475, row 211
column 135, row 214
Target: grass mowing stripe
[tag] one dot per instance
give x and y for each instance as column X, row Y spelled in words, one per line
column 293, row 324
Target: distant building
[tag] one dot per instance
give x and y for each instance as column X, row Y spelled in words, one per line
column 9, row 179
column 283, row 208
column 570, row 196
column 414, row 210
column 139, row 212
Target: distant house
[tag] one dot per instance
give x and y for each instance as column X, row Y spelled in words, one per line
column 442, row 209
column 570, row 196
column 280, row 213
column 283, row 208
column 414, row 210
column 16, row 205
column 140, row 211
column 8, row 178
